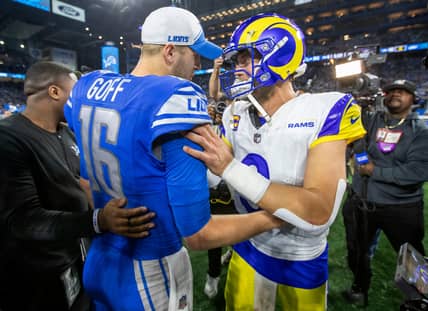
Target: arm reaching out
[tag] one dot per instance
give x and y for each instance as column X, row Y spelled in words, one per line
column 129, row 222
column 313, row 202
column 216, row 154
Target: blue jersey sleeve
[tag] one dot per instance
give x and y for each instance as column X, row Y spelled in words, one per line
column 187, row 185
column 183, row 110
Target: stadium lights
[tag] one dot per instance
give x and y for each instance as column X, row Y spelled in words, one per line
column 87, row 28
column 242, row 8
column 349, row 69
column 1, row 42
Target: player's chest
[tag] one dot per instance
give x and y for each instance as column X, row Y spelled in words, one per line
column 280, row 135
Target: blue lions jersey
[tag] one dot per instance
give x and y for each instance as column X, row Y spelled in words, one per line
column 128, row 131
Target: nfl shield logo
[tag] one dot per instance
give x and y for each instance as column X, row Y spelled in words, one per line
column 257, row 138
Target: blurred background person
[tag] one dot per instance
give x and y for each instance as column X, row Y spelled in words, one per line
column 387, row 186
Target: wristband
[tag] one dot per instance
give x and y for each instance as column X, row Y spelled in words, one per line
column 246, row 180
column 95, row 221
column 213, row 180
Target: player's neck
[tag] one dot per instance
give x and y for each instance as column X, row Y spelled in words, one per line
column 149, row 66
column 283, row 94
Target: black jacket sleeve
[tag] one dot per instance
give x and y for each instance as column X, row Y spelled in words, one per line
column 22, row 211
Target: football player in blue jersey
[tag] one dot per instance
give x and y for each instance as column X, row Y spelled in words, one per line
column 288, row 159
column 129, row 130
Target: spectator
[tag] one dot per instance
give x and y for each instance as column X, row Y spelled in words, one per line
column 297, row 145
column 44, row 212
column 136, row 121
column 387, row 191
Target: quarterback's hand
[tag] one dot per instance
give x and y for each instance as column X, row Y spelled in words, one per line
column 216, row 154
column 129, row 222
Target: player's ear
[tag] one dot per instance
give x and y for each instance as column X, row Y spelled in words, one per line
column 169, row 52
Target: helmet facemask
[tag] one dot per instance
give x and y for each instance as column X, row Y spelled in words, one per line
column 278, row 45
column 232, row 85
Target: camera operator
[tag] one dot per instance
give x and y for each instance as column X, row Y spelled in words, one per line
column 387, row 194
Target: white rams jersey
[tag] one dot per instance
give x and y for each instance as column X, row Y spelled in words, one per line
column 279, row 149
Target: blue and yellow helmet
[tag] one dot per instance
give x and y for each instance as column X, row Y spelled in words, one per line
column 272, row 38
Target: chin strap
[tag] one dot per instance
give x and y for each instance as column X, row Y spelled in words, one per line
column 259, row 107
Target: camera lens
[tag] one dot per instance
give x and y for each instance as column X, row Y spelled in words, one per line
column 220, row 107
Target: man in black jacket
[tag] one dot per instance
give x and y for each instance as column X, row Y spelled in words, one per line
column 44, row 211
column 388, row 189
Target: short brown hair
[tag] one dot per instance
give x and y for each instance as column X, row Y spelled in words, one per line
column 42, row 74
column 151, row 49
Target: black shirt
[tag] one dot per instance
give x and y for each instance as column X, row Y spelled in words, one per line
column 43, row 209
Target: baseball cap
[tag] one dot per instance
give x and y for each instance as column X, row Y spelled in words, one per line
column 180, row 27
column 407, row 85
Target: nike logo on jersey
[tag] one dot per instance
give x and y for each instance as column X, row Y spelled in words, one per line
column 353, row 120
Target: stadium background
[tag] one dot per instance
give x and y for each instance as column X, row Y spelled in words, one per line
column 391, row 36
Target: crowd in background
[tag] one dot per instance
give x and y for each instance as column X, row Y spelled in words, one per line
column 12, row 98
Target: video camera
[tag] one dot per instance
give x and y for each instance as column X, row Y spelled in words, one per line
column 365, row 87
column 352, row 76
column 411, row 277
column 220, row 106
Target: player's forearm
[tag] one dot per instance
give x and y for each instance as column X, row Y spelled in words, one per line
column 311, row 205
column 224, row 230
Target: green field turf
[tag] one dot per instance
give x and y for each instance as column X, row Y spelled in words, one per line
column 383, row 295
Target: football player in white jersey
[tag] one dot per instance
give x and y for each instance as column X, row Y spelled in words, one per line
column 288, row 159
